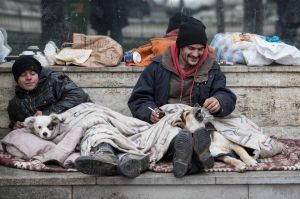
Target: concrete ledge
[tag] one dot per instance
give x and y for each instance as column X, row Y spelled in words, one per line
column 16, row 183
column 268, row 95
column 19, row 177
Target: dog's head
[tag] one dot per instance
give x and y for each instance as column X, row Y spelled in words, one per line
column 46, row 127
column 193, row 118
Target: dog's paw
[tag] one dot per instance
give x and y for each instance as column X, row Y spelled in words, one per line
column 251, row 162
column 240, row 166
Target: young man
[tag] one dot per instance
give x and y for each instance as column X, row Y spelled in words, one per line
column 41, row 91
column 187, row 73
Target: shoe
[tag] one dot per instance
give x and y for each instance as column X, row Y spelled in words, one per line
column 183, row 150
column 202, row 141
column 101, row 162
column 133, row 165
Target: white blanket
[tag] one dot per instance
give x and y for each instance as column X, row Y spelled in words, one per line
column 127, row 134
column 100, row 124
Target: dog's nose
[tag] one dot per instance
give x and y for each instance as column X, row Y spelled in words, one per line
column 45, row 134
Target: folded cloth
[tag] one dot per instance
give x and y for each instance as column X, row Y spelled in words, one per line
column 34, row 147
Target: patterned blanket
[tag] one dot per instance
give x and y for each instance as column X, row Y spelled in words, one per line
column 288, row 160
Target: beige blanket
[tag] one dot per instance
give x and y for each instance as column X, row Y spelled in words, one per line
column 127, row 134
column 98, row 124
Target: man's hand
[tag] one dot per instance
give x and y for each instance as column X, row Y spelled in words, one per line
column 18, row 125
column 38, row 113
column 212, row 105
column 156, row 115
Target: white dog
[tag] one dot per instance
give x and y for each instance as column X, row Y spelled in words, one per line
column 195, row 118
column 45, row 127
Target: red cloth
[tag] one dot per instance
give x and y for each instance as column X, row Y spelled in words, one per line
column 184, row 74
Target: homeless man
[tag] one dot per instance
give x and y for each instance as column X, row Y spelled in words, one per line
column 186, row 73
column 41, row 91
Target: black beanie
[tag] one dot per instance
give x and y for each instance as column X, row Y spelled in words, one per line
column 192, row 31
column 23, row 63
column 175, row 21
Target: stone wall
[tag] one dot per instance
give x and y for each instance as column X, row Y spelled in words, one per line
column 267, row 95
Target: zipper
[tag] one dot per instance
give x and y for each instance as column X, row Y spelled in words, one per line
column 30, row 102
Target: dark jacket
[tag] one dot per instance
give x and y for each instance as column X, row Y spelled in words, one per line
column 152, row 89
column 55, row 93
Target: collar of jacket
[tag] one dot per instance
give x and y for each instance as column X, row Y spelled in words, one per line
column 202, row 73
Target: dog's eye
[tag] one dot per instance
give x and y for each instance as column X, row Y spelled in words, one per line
column 39, row 127
column 186, row 113
column 50, row 127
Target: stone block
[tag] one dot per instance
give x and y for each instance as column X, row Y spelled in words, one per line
column 151, row 178
column 36, row 192
column 286, row 191
column 259, row 177
column 161, row 191
column 14, row 177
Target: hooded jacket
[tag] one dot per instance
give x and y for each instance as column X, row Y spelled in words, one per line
column 152, row 88
column 55, row 93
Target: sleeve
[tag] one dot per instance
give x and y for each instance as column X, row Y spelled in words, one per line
column 143, row 94
column 224, row 95
column 15, row 112
column 68, row 94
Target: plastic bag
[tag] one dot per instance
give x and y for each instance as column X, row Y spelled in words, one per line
column 228, row 49
column 4, row 48
column 278, row 52
column 50, row 52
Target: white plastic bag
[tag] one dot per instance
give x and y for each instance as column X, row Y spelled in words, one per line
column 50, row 52
column 4, row 48
column 254, row 58
column 278, row 52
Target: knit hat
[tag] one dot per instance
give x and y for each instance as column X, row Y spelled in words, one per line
column 192, row 31
column 175, row 21
column 23, row 63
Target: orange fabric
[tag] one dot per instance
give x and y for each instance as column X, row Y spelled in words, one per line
column 211, row 51
column 157, row 46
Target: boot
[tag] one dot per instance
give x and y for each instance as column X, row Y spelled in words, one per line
column 133, row 165
column 101, row 162
column 201, row 143
column 183, row 149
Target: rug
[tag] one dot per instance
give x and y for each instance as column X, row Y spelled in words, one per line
column 33, row 165
column 289, row 159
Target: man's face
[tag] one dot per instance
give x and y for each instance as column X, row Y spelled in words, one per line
column 28, row 80
column 190, row 55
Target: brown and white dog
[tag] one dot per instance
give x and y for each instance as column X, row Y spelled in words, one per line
column 196, row 117
column 45, row 127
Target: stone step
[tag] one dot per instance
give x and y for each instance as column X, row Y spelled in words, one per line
column 16, row 183
column 268, row 95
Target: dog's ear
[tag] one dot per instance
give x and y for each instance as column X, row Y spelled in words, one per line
column 197, row 105
column 177, row 122
column 56, row 119
column 207, row 117
column 28, row 123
